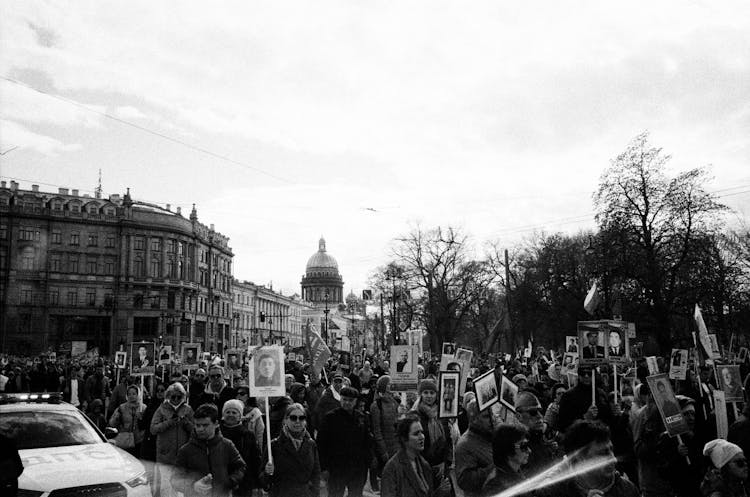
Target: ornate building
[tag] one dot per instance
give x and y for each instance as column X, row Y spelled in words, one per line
column 107, row 272
column 322, row 279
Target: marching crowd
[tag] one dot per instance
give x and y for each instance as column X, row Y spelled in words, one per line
column 336, row 430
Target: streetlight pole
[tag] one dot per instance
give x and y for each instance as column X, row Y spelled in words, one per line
column 325, row 311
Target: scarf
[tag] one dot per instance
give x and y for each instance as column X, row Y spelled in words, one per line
column 434, row 428
column 296, row 439
column 335, row 394
column 416, row 466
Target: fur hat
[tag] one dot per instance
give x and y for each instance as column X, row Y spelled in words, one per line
column 721, row 452
column 383, row 383
column 427, row 384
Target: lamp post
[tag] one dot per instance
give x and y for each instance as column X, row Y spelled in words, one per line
column 236, row 319
column 326, row 311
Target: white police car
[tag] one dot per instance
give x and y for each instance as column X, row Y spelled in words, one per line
column 64, row 454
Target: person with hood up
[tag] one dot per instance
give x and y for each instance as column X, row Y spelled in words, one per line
column 172, row 425
column 244, row 440
column 727, row 476
column 126, row 419
column 208, row 464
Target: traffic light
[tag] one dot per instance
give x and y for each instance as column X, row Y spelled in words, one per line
column 262, row 317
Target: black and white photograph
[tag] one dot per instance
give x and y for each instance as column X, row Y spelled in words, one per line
column 165, row 355
column 464, row 355
column 191, row 355
column 121, row 359
column 266, row 372
column 402, row 360
column 449, row 349
column 617, row 344
column 485, row 387
column 448, row 394
column 508, row 392
column 592, row 342
column 571, row 344
column 569, row 363
column 730, row 382
column 667, row 403
column 142, row 360
column 678, row 364
column 234, row 359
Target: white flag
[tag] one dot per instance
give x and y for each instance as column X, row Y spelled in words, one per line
column 592, row 301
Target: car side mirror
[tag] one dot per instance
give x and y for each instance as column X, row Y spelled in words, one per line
column 110, row 432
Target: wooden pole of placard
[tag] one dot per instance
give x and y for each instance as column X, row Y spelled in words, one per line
column 614, row 378
column 736, row 411
column 593, row 386
column 268, row 431
column 679, row 439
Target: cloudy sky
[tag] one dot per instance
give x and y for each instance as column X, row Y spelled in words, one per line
column 358, row 120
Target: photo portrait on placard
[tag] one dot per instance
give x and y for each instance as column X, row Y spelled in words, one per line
column 448, row 394
column 121, row 359
column 267, row 372
column 508, row 393
column 142, row 358
column 206, row 357
column 403, row 361
column 464, row 354
column 449, row 348
column 571, row 344
column 234, row 359
column 617, row 344
column 486, row 388
column 569, row 363
column 165, row 355
column 191, row 355
column 666, row 402
column 591, row 342
column 730, row 382
column 678, row 364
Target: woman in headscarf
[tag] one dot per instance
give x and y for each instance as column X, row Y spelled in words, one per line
column 438, row 449
column 172, row 426
column 127, row 416
column 726, row 477
column 295, row 470
column 242, row 438
column 407, row 473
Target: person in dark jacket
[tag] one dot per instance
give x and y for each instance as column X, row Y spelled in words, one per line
column 209, row 464
column 217, row 391
column 197, row 386
column 172, row 425
column 11, row 466
column 295, row 470
column 233, row 429
column 438, row 446
column 575, row 404
column 329, row 400
column 510, row 451
column 543, row 452
column 474, row 451
column 344, row 446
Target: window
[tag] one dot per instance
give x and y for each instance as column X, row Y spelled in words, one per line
column 28, row 234
column 54, row 262
column 138, row 301
column 91, row 265
column 109, row 267
column 56, row 237
column 139, row 243
column 139, row 268
column 73, row 264
column 26, row 296
column 109, row 211
column 155, row 302
column 72, row 297
column 93, row 209
column 28, row 261
column 75, row 207
column 75, row 238
column 3, row 231
column 57, row 205
column 54, row 297
column 172, row 247
column 90, row 297
column 109, row 241
column 92, row 240
column 155, row 266
column 171, row 268
column 156, row 244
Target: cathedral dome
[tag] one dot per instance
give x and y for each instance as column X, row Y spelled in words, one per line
column 320, row 260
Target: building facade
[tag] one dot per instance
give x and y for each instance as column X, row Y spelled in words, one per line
column 108, row 272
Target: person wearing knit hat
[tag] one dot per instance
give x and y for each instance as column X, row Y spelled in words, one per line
column 383, row 416
column 383, row 383
column 521, row 381
column 427, row 385
column 244, row 440
column 729, row 472
column 437, row 444
column 529, row 413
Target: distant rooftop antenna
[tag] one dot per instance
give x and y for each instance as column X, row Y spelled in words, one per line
column 98, row 191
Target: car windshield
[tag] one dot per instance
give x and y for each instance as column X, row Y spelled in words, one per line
column 38, row 429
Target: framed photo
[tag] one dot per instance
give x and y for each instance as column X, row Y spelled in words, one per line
column 617, row 343
column 569, row 363
column 234, row 359
column 449, row 348
column 715, row 349
column 572, row 379
column 448, row 394
column 121, row 359
column 486, row 389
column 165, row 355
column 142, row 361
column 464, row 355
column 191, row 353
column 742, row 357
column 508, row 393
column 592, row 342
column 667, row 404
column 678, row 364
column 571, row 344
column 206, row 357
column 730, row 382
column 404, row 371
column 266, row 372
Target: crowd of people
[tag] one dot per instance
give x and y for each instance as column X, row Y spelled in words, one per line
column 203, row 434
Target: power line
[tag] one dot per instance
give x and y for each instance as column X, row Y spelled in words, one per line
column 149, row 131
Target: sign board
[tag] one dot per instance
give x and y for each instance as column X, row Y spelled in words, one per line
column 142, row 358
column 234, row 359
column 404, row 369
column 678, row 364
column 667, row 404
column 77, row 347
column 266, row 372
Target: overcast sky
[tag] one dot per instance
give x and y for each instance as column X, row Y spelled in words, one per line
column 358, row 119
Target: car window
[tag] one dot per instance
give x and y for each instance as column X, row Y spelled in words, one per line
column 35, row 429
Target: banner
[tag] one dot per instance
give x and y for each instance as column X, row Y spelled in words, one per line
column 592, row 300
column 320, row 353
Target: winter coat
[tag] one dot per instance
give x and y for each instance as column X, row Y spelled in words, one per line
column 217, row 399
column 172, row 430
column 502, row 479
column 126, row 418
column 473, row 461
column 383, row 416
column 253, row 419
column 244, row 441
column 621, row 487
column 714, row 485
column 217, row 456
column 325, row 405
column 576, row 401
column 296, row 472
column 344, row 441
column 399, row 479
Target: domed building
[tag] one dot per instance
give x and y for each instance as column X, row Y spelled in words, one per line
column 322, row 278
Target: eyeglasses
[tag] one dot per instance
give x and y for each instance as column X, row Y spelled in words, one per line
column 297, row 418
column 523, row 446
column 740, row 463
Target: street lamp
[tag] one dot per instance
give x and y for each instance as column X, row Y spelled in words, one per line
column 326, row 311
column 236, row 318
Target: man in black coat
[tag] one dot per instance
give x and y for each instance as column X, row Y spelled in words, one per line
column 576, row 403
column 344, row 446
column 217, row 391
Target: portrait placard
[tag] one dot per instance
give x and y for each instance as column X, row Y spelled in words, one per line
column 121, row 359
column 234, row 359
column 508, row 393
column 449, row 348
column 742, row 356
column 165, row 355
column 571, row 344
column 666, row 402
column 266, row 372
column 404, row 369
column 617, row 342
column 142, row 358
column 592, row 342
column 486, row 388
column 464, row 355
column 448, row 394
column 191, row 353
column 730, row 382
column 569, row 363
column 678, row 364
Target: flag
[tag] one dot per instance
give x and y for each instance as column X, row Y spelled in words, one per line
column 703, row 333
column 319, row 352
column 592, row 300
